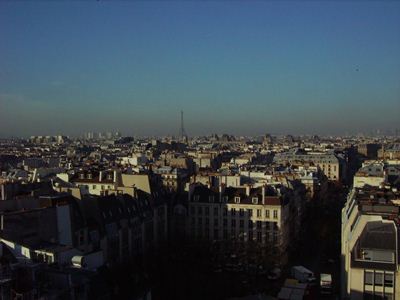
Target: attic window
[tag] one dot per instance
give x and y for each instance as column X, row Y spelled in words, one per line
column 237, row 199
column 82, row 176
column 89, row 176
column 109, row 176
column 254, row 200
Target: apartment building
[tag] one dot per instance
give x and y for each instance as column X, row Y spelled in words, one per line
column 370, row 244
column 369, row 150
column 389, row 152
column 215, row 179
column 173, row 179
column 331, row 165
column 260, row 215
column 376, row 173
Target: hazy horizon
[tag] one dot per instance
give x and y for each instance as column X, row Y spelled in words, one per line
column 243, row 68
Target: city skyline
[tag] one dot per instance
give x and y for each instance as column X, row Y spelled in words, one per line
column 244, row 69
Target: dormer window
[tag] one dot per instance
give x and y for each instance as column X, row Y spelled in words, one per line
column 237, row 199
column 254, row 200
column 82, row 176
column 109, row 176
column 211, row 199
column 225, row 199
column 89, row 176
column 196, row 198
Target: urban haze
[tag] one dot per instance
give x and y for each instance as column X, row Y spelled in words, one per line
column 243, row 150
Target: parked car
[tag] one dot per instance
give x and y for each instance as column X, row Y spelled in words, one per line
column 274, row 274
column 303, row 274
column 326, row 283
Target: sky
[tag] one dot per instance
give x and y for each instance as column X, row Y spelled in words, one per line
column 241, row 67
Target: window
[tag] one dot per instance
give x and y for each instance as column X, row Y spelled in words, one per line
column 225, row 222
column 216, row 235
column 275, row 214
column 233, row 212
column 368, row 278
column 207, row 221
column 241, row 223
column 267, row 213
column 275, row 237
column 241, row 212
column 388, row 280
column 196, row 198
column 216, row 212
column 241, row 237
column 250, row 235
column 199, row 210
column 237, row 199
column 259, row 236
column 94, row 186
column 368, row 295
column 225, row 211
column 215, row 222
column 259, row 213
column 225, row 198
column 233, row 223
column 250, row 225
column 259, row 224
column 211, row 199
column 250, row 212
column 378, row 279
column 192, row 210
column 207, row 210
column 255, row 200
column 388, row 296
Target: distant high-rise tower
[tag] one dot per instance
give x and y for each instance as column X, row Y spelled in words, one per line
column 182, row 132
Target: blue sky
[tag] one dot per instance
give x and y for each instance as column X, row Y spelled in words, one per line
column 237, row 67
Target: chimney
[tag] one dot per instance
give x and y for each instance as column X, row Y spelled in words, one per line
column 263, row 194
column 221, row 191
column 247, row 190
column 115, row 176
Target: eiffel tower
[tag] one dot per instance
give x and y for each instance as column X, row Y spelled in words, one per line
column 182, row 132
